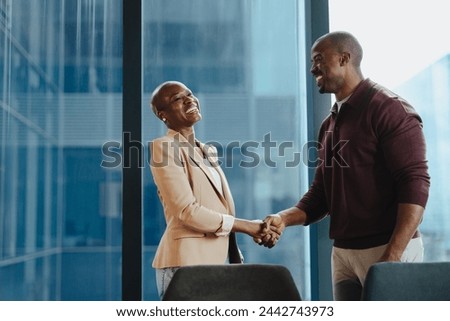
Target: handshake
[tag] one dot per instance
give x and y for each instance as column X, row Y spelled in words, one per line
column 270, row 230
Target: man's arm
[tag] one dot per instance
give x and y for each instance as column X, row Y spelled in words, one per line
column 404, row 149
column 408, row 219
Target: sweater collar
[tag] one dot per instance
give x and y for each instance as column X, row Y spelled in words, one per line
column 360, row 93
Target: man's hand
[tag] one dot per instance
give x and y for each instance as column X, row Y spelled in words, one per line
column 408, row 219
column 276, row 223
column 272, row 230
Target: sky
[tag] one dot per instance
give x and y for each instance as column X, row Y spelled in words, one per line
column 400, row 38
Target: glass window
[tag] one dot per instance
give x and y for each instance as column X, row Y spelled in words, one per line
column 407, row 53
column 60, row 134
column 244, row 60
column 60, row 102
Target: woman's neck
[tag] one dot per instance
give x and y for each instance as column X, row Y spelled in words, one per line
column 188, row 133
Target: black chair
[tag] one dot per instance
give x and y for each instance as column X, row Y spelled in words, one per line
column 397, row 281
column 232, row 282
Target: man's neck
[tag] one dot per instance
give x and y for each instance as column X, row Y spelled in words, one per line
column 348, row 88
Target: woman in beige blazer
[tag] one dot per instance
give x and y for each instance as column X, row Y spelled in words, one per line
column 198, row 205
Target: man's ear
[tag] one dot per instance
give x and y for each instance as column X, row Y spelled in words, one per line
column 345, row 58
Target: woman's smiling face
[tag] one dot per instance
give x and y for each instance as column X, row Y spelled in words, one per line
column 181, row 108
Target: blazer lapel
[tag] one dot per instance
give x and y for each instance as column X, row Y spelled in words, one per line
column 194, row 155
column 211, row 153
column 199, row 161
column 226, row 190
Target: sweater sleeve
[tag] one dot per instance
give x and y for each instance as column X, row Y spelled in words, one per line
column 314, row 202
column 402, row 141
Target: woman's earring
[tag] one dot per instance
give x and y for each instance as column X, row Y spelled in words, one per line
column 164, row 120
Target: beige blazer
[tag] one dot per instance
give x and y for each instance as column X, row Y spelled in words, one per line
column 193, row 204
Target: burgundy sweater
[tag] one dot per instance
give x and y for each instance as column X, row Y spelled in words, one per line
column 371, row 158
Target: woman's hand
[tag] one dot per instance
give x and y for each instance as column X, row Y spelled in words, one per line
column 258, row 229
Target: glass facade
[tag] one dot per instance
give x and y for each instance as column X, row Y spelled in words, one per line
column 61, row 114
column 60, row 85
column 428, row 92
column 253, row 105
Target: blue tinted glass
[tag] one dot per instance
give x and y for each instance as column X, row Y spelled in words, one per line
column 60, row 96
column 244, row 62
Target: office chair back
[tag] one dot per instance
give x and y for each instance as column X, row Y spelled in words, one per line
column 397, row 281
column 232, row 282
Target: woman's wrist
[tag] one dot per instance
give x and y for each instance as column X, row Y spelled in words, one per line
column 251, row 228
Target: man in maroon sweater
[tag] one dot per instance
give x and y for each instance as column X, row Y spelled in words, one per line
column 372, row 179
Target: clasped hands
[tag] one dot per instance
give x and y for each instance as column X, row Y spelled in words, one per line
column 270, row 231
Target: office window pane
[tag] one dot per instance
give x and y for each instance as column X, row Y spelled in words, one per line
column 60, row 96
column 413, row 60
column 244, row 60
